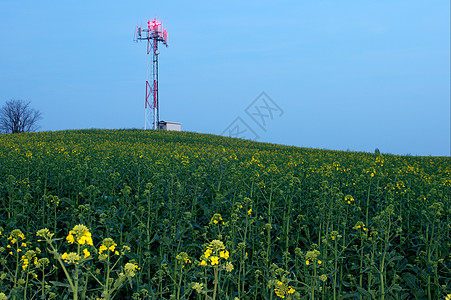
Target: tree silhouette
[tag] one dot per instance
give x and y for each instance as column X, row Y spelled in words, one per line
column 17, row 116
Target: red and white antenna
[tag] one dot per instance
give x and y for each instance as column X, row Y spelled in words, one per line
column 153, row 34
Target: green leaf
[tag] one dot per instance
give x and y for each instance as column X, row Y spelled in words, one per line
column 57, row 283
column 365, row 293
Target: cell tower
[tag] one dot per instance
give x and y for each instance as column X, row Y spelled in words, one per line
column 153, row 35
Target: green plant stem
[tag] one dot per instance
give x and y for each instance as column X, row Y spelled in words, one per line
column 26, row 286
column 382, row 264
column 334, row 287
column 313, row 284
column 43, row 283
column 216, row 273
column 106, row 292
column 76, row 275
column 361, row 264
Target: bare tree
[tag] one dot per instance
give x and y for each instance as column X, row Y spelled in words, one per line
column 17, row 116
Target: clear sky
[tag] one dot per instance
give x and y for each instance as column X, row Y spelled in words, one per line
column 340, row 75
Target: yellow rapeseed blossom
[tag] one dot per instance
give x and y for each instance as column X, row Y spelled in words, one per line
column 15, row 235
column 30, row 255
column 349, row 199
column 214, row 252
column 214, row 260
column 86, row 253
column 102, row 249
column 44, row 233
column 70, row 238
column 282, row 289
column 360, row 225
column 249, row 211
column 208, row 252
column 25, row 263
column 311, row 256
column 183, row 258
column 109, row 245
column 130, row 269
column 224, row 254
column 80, row 234
column 216, row 219
column 70, row 258
column 334, row 235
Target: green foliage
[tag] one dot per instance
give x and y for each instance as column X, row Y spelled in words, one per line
column 280, row 221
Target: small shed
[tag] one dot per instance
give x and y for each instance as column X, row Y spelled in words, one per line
column 171, row 126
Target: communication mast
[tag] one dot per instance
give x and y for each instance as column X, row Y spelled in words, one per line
column 153, row 34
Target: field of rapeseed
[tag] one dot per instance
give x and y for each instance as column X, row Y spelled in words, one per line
column 131, row 214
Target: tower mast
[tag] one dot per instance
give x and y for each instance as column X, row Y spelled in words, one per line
column 153, row 34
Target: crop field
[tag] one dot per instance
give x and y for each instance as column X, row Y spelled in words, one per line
column 132, row 214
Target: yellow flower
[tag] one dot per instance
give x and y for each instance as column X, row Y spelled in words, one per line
column 71, row 257
column 214, row 260
column 82, row 235
column 25, row 263
column 130, row 269
column 102, row 248
column 349, row 199
column 15, row 235
column 319, row 262
column 224, row 254
column 85, row 238
column 307, row 262
column 249, row 211
column 282, row 289
column 70, row 238
column 86, row 253
column 109, row 245
column 203, row 263
column 217, row 218
column 207, row 253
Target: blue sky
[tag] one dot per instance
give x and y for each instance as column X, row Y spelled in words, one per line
column 354, row 75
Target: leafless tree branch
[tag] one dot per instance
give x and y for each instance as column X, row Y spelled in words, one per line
column 17, row 116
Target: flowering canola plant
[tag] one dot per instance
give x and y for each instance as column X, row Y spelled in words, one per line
column 113, row 206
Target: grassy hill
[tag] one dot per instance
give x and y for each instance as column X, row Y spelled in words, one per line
column 178, row 215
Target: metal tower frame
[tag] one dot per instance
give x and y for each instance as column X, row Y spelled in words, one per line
column 153, row 34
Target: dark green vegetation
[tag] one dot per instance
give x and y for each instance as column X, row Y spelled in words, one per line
column 294, row 222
